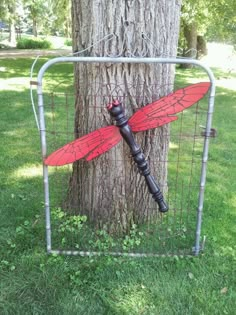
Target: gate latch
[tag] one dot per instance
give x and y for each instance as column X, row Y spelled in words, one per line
column 213, row 132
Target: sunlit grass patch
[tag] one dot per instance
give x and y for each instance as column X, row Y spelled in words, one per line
column 28, row 171
column 225, row 83
column 10, row 84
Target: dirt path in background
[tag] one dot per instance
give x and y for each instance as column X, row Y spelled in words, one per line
column 219, row 55
column 15, row 53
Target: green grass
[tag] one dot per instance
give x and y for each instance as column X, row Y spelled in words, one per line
column 33, row 283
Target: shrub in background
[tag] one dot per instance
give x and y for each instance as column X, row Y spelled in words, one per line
column 33, row 43
column 68, row 42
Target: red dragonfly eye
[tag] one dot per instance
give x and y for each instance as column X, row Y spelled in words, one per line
column 116, row 103
column 109, row 106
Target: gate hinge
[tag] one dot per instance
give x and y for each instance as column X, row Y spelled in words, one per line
column 33, row 82
column 213, row 133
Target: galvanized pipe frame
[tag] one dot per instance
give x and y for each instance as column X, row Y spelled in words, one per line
column 143, row 60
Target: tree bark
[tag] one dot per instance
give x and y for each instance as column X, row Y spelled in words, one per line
column 109, row 189
column 35, row 31
column 12, row 34
column 201, row 47
column 190, row 34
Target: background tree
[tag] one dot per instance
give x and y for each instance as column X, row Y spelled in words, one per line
column 110, row 191
column 223, row 26
column 37, row 12
column 61, row 11
column 195, row 18
column 206, row 20
column 8, row 13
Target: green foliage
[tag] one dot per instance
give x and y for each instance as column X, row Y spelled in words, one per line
column 33, row 43
column 62, row 12
column 68, row 42
column 102, row 241
column 133, row 239
column 37, row 13
column 198, row 12
column 66, row 222
column 8, row 10
column 67, row 226
column 205, row 14
column 224, row 11
column 45, row 17
column 2, row 46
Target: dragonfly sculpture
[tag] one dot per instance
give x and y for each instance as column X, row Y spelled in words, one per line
column 151, row 116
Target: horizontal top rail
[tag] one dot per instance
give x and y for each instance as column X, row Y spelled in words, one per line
column 141, row 60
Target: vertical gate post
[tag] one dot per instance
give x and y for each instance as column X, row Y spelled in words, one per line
column 210, row 111
column 42, row 129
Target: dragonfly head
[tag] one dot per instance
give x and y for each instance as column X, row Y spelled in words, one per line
column 113, row 104
column 115, row 108
column 116, row 111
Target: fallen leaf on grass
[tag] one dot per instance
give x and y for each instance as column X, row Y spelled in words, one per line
column 190, row 275
column 224, row 290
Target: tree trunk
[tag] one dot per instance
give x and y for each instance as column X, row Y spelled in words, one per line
column 190, row 34
column 67, row 27
column 109, row 190
column 35, row 31
column 201, row 47
column 12, row 34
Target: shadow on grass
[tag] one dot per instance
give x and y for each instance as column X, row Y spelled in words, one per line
column 22, row 67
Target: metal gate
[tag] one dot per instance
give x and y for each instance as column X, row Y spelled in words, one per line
column 176, row 233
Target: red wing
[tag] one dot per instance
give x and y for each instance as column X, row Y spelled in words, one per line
column 157, row 113
column 153, row 123
column 80, row 147
column 107, row 145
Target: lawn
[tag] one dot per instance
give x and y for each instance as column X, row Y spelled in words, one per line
column 35, row 283
column 56, row 41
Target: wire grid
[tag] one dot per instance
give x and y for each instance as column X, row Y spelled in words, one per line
column 169, row 234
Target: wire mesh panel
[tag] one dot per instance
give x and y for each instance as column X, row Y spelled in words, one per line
column 71, row 229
